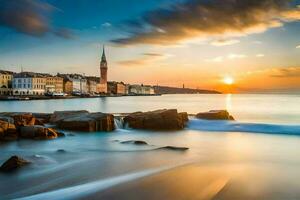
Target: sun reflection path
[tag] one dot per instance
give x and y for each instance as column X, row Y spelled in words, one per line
column 228, row 102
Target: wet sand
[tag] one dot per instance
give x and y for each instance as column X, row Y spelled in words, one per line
column 210, row 182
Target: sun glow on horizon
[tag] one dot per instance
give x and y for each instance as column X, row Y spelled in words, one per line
column 228, row 80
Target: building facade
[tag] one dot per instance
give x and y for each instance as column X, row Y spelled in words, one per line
column 54, row 84
column 116, row 88
column 28, row 83
column 92, row 86
column 6, row 82
column 141, row 90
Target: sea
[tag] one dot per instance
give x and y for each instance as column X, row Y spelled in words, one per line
column 257, row 156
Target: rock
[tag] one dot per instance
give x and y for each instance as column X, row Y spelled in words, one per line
column 7, row 119
column 13, row 163
column 2, row 133
column 8, row 131
column 136, row 142
column 184, row 117
column 4, row 125
column 215, row 115
column 58, row 116
column 60, row 134
column 25, row 119
column 90, row 122
column 61, row 151
column 39, row 122
column 174, row 148
column 37, row 132
column 51, row 134
column 156, row 120
column 42, row 117
column 11, row 137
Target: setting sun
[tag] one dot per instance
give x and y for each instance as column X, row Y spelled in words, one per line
column 228, row 80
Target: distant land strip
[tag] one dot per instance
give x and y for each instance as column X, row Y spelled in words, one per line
column 175, row 90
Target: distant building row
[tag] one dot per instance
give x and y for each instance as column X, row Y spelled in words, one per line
column 29, row 83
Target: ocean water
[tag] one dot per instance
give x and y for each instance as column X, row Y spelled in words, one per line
column 254, row 157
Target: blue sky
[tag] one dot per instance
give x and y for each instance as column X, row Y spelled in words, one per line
column 157, row 41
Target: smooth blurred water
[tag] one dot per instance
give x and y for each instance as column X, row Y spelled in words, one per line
column 257, row 156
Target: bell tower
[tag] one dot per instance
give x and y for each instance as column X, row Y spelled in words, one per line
column 103, row 68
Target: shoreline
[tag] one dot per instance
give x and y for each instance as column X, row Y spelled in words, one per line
column 32, row 98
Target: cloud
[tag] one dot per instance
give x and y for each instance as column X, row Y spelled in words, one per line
column 64, row 33
column 25, row 16
column 236, row 56
column 288, row 72
column 228, row 57
column 260, row 55
column 106, row 24
column 146, row 58
column 216, row 59
column 257, row 42
column 203, row 18
column 29, row 17
column 224, row 42
column 298, row 47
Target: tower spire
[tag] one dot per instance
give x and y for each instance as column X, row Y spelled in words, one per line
column 103, row 58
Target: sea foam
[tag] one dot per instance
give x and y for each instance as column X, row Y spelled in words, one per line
column 233, row 126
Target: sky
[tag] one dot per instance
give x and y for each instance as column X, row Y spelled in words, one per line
column 226, row 45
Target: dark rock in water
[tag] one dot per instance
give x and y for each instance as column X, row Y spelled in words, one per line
column 215, row 115
column 136, row 142
column 88, row 122
column 61, row 151
column 157, row 120
column 13, row 163
column 174, row 148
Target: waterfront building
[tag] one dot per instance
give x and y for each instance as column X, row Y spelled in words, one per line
column 74, row 84
column 141, row 90
column 54, row 84
column 29, row 83
column 135, row 89
column 68, row 86
column 6, row 82
column 148, row 90
column 102, row 87
column 116, row 88
column 92, row 86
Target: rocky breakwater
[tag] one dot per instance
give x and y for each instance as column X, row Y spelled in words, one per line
column 14, row 126
column 166, row 119
column 215, row 115
column 83, row 121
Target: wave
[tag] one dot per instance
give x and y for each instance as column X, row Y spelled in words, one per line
column 232, row 126
column 80, row 191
